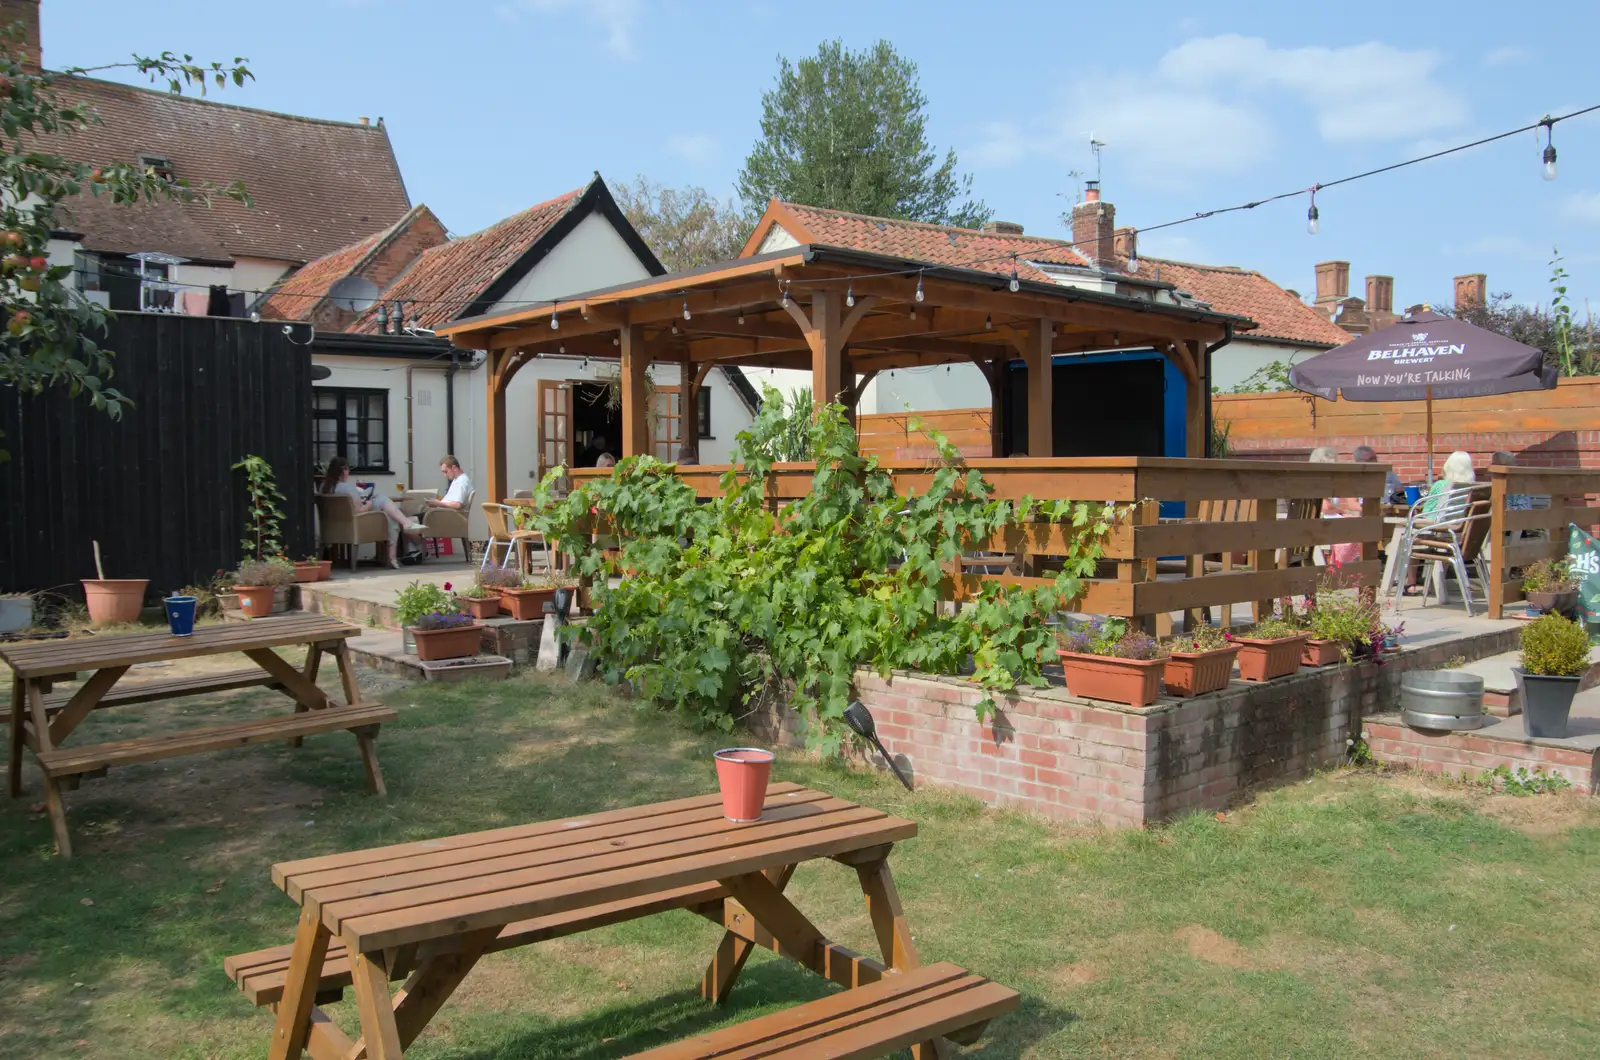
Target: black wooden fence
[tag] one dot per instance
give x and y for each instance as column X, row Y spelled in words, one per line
column 156, row 488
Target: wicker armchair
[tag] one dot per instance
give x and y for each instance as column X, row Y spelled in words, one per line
column 450, row 522
column 345, row 528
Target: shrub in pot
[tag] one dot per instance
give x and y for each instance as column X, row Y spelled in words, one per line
column 1548, row 585
column 1199, row 662
column 1104, row 660
column 481, row 599
column 1555, row 656
column 446, row 634
column 1269, row 649
column 256, row 583
column 417, row 600
column 1341, row 625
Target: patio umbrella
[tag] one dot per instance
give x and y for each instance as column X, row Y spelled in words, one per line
column 1420, row 358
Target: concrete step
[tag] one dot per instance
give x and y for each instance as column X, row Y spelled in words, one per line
column 1500, row 684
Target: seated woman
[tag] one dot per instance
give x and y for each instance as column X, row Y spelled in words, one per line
column 1339, row 508
column 337, row 480
column 1457, row 472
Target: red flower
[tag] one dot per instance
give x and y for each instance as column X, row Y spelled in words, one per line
column 447, row 586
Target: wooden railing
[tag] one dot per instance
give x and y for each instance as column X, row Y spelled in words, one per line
column 1233, row 511
column 1568, row 492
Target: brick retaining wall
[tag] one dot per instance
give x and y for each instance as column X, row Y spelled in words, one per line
column 1472, row 754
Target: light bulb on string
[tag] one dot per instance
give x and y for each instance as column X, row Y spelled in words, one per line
column 919, row 286
column 586, row 364
column 1133, row 251
column 1549, row 147
column 555, row 322
column 741, row 318
column 1313, row 225
column 988, row 322
column 686, row 308
column 785, row 295
column 1015, row 285
column 850, row 296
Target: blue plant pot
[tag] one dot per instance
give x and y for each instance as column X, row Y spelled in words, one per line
column 180, row 614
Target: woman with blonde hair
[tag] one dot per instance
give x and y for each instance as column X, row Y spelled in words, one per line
column 1456, row 473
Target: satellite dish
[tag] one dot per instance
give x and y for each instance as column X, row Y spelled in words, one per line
column 320, row 371
column 354, row 294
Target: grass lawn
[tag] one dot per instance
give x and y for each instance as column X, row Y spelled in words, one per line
column 1353, row 914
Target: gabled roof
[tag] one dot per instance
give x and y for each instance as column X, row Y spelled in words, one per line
column 466, row 276
column 1245, row 292
column 298, row 296
column 941, row 244
column 317, row 185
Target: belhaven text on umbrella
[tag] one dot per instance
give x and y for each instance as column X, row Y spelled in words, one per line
column 1416, row 354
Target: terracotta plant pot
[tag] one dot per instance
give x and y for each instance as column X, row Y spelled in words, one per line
column 324, row 570
column 1136, row 682
column 307, row 572
column 1194, row 673
column 1320, row 652
column 256, row 601
column 114, row 599
column 742, row 774
column 1263, row 660
column 480, row 607
column 526, row 604
column 457, row 643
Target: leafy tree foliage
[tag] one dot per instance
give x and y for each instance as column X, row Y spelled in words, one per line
column 725, row 601
column 847, row 130
column 51, row 335
column 686, row 227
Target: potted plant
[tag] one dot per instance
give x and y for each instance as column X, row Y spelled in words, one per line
column 1269, row 649
column 446, row 634
column 416, row 600
column 309, row 569
column 1555, row 656
column 1548, row 585
column 1199, row 662
column 16, row 612
column 481, row 599
column 1341, row 626
column 112, row 599
column 1103, row 659
column 257, row 582
column 527, row 598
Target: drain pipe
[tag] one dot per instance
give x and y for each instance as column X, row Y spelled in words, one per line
column 1205, row 379
column 450, row 402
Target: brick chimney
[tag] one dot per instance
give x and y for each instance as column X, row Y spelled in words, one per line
column 1471, row 289
column 1126, row 243
column 1380, row 294
column 1333, row 281
column 1094, row 225
column 27, row 13
column 1002, row 228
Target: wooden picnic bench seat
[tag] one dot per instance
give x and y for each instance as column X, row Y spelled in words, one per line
column 152, row 691
column 92, row 758
column 897, row 1011
column 260, row 975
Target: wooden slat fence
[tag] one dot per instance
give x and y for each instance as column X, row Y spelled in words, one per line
column 1571, row 494
column 890, row 435
column 1278, row 548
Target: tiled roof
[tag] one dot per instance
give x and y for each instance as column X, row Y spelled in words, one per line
column 447, row 279
column 317, row 185
column 1245, row 292
column 939, row 244
column 298, row 296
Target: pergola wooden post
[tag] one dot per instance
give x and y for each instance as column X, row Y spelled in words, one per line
column 1037, row 353
column 496, row 481
column 1198, row 394
column 635, row 399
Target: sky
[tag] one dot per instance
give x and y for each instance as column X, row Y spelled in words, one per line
column 493, row 105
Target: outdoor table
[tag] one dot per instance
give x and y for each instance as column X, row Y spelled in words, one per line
column 433, row 908
column 43, row 723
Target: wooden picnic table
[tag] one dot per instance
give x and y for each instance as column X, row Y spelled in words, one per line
column 42, row 721
column 427, row 911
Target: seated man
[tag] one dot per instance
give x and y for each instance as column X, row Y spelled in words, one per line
column 460, row 486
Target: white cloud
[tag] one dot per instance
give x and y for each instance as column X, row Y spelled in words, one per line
column 694, row 147
column 1507, row 55
column 1002, row 145
column 1584, row 206
column 615, row 18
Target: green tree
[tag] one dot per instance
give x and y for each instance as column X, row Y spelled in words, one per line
column 686, row 227
column 847, row 130
column 51, row 335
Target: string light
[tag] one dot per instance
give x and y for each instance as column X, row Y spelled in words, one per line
column 586, row 364
column 1015, row 285
column 555, row 323
column 255, row 317
column 850, row 296
column 1312, row 224
column 686, row 307
column 741, row 318
column 1133, row 250
column 1549, row 147
column 988, row 322
column 919, row 286
column 786, row 294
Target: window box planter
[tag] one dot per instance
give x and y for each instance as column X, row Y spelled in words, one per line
column 1194, row 673
column 455, row 643
column 1321, row 652
column 324, row 570
column 480, row 607
column 1136, row 682
column 307, row 572
column 1263, row 660
column 526, row 604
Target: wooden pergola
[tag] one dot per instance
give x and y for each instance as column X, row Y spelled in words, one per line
column 844, row 316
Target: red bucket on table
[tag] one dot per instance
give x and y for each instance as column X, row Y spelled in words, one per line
column 742, row 774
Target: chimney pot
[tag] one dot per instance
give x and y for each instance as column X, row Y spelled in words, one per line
column 1002, row 228
column 1471, row 289
column 364, row 120
column 1333, row 281
column 1091, row 191
column 1380, row 294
